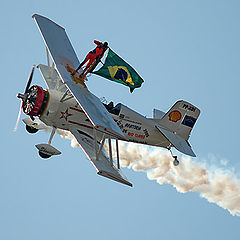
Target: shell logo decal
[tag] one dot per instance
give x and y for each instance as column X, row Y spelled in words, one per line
column 174, row 116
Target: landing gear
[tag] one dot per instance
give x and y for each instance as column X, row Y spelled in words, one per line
column 44, row 155
column 46, row 150
column 175, row 161
column 31, row 129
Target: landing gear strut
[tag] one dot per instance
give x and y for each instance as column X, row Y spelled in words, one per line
column 46, row 150
column 175, row 161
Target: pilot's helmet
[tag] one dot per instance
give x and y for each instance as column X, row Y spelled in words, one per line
column 105, row 44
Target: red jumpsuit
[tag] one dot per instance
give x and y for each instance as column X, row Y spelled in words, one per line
column 98, row 51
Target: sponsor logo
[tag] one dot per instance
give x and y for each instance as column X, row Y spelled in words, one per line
column 189, row 121
column 132, row 126
column 174, row 116
column 136, row 135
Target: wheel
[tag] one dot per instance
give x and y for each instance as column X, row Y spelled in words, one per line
column 175, row 162
column 31, row 129
column 44, row 155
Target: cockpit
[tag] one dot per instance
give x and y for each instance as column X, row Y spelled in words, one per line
column 113, row 109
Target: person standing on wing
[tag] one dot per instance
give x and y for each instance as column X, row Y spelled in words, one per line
column 95, row 54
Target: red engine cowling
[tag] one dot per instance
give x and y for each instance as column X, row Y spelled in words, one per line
column 36, row 101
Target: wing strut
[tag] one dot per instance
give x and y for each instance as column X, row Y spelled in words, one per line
column 66, row 96
column 110, row 152
column 95, row 143
column 117, row 149
column 51, row 69
column 99, row 158
column 101, row 146
column 98, row 149
column 48, row 59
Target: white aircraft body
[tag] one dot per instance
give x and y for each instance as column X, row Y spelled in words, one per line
column 68, row 105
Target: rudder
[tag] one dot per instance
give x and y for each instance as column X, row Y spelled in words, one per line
column 181, row 118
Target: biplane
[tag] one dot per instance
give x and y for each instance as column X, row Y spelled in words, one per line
column 67, row 104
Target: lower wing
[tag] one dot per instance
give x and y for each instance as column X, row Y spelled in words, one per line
column 102, row 163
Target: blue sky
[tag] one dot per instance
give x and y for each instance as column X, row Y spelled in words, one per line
column 183, row 50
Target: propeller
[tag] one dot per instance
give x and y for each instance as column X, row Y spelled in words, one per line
column 30, row 79
column 18, row 118
column 24, row 97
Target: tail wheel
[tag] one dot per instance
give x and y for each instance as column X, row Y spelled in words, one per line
column 175, row 162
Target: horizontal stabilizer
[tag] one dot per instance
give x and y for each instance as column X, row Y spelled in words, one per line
column 179, row 143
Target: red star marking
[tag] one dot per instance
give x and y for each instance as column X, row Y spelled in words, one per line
column 65, row 115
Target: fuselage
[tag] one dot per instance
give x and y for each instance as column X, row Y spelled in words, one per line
column 66, row 114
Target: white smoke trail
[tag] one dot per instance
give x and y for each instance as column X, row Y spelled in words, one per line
column 216, row 185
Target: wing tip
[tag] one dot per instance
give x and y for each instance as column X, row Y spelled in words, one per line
column 40, row 16
column 115, row 178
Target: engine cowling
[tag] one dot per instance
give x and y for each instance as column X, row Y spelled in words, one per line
column 34, row 101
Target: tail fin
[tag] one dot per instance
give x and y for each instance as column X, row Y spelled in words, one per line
column 180, row 118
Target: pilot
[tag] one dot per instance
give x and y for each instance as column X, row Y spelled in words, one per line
column 97, row 54
column 110, row 105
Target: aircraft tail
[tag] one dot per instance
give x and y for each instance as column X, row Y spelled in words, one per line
column 180, row 119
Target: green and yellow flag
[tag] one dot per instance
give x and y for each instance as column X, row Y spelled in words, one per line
column 117, row 70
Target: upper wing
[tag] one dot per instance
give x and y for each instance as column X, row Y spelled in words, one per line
column 95, row 111
column 59, row 45
column 64, row 57
column 103, row 164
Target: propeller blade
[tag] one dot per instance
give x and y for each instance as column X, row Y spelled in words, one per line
column 18, row 118
column 30, row 79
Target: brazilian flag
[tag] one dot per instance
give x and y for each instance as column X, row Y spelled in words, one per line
column 117, row 70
